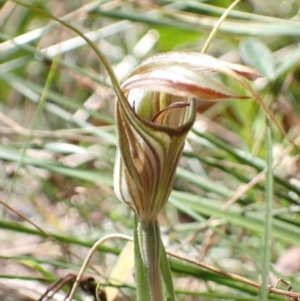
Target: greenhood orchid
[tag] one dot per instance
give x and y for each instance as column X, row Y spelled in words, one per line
column 153, row 117
column 160, row 110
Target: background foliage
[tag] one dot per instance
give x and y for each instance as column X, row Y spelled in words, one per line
column 58, row 143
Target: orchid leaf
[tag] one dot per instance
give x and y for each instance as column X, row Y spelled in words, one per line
column 257, row 55
column 289, row 61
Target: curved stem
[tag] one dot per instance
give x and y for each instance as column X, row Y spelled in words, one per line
column 149, row 244
column 217, row 26
column 89, row 256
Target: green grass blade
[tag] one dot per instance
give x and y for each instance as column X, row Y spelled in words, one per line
column 266, row 259
column 18, row 227
column 251, row 220
column 36, row 117
column 197, row 23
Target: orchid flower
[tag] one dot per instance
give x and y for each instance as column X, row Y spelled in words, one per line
column 153, row 120
column 152, row 126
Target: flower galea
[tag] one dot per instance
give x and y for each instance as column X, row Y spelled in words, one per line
column 154, row 119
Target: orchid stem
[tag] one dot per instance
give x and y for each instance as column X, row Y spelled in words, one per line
column 150, row 244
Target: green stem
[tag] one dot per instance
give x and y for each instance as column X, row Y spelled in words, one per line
column 150, row 243
column 268, row 221
column 141, row 274
column 217, row 26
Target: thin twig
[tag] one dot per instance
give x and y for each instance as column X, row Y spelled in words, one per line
column 233, row 276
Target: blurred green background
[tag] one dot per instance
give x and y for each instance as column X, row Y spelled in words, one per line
column 57, row 144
